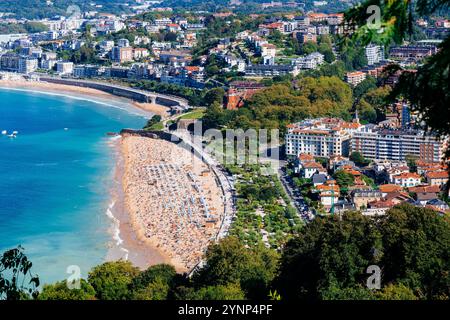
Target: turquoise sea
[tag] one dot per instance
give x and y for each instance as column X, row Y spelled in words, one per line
column 56, row 179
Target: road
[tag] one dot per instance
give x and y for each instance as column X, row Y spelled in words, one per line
column 297, row 200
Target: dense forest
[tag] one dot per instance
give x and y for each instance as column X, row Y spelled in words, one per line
column 254, row 6
column 39, row 9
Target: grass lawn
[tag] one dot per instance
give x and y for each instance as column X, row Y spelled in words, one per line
column 196, row 114
column 157, row 126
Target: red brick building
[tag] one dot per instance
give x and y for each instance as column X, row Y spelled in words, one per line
column 240, row 91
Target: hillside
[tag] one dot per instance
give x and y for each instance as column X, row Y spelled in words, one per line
column 38, row 9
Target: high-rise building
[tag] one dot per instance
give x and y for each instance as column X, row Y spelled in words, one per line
column 9, row 62
column 379, row 143
column 27, row 64
column 374, row 54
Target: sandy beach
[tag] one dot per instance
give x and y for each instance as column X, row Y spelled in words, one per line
column 81, row 92
column 166, row 207
column 174, row 204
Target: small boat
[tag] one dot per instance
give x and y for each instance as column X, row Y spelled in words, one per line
column 12, row 136
column 15, row 133
column 4, row 132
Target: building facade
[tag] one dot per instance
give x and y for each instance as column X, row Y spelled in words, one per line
column 323, row 137
column 379, row 143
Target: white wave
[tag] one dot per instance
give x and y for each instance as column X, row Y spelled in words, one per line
column 116, row 224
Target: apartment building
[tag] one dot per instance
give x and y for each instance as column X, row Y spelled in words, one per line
column 311, row 61
column 64, row 67
column 28, row 64
column 9, row 62
column 412, row 51
column 122, row 54
column 374, row 54
column 378, row 143
column 261, row 70
column 322, row 137
column 354, row 78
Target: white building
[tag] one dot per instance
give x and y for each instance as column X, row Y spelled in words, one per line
column 407, row 179
column 27, row 64
column 355, row 78
column 163, row 22
column 322, row 137
column 311, row 61
column 378, row 143
column 64, row 67
column 268, row 49
column 374, row 54
column 289, row 26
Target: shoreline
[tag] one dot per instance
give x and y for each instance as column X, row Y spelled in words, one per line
column 147, row 110
column 172, row 198
column 125, row 242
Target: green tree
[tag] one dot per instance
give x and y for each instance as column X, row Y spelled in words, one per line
column 219, row 292
column 153, row 120
column 158, row 289
column 344, row 179
column 396, row 292
column 358, row 159
column 154, row 283
column 331, row 252
column 363, row 87
column 326, row 48
column 366, row 112
column 378, row 99
column 416, row 250
column 309, row 47
column 111, row 280
column 411, row 162
column 230, row 262
column 215, row 95
column 16, row 279
column 350, row 293
column 61, row 291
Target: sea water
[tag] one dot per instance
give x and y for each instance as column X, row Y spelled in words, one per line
column 56, row 178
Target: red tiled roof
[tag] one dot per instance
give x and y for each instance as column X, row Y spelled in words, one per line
column 192, row 68
column 437, row 175
column 305, row 157
column 312, row 165
column 387, row 188
column 425, row 189
column 381, row 204
column 407, row 175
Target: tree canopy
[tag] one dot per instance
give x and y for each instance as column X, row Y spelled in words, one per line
column 111, row 280
column 329, row 259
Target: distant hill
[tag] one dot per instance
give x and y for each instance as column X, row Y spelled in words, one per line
column 255, row 5
column 39, row 9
